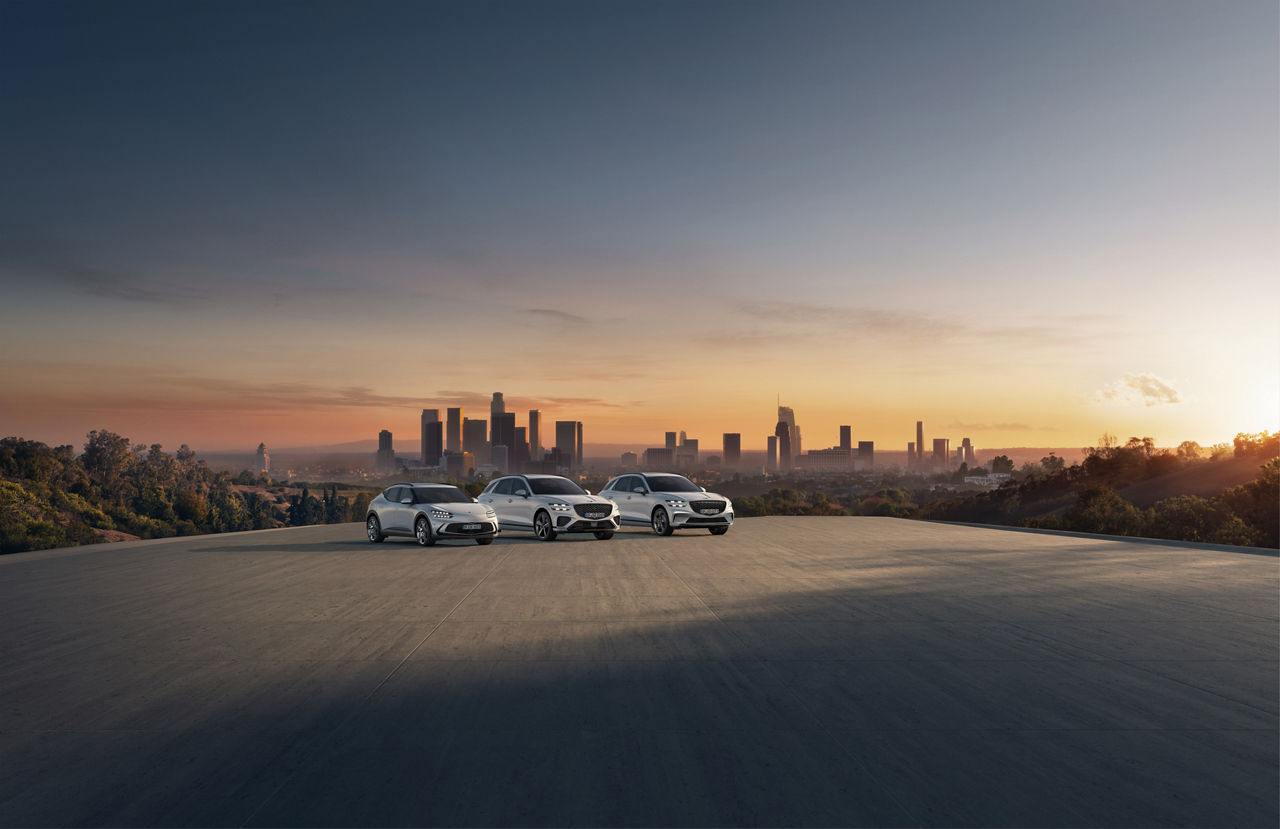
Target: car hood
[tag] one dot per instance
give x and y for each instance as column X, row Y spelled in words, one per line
column 691, row 496
column 577, row 499
column 464, row 510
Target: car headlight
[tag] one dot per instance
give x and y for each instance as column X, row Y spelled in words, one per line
column 560, row 507
column 677, row 503
column 443, row 515
column 489, row 513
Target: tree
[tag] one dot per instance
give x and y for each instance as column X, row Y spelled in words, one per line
column 1189, row 450
column 1052, row 464
column 1002, row 463
column 1101, row 510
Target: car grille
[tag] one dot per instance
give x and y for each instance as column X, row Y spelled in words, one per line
column 593, row 511
column 699, row 506
column 485, row 528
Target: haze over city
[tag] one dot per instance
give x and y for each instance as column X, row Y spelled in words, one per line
column 229, row 223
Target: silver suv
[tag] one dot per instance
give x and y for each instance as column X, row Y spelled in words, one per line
column 668, row 503
column 428, row 512
column 549, row 505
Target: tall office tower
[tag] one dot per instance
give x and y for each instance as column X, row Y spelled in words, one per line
column 504, row 429
column 970, row 455
column 475, row 437
column 911, row 454
column 787, row 416
column 501, row 457
column 783, row 433
column 941, row 450
column 520, row 451
column 385, row 461
column 460, row 463
column 919, row 441
column 535, row 434
column 453, row 430
column 262, row 463
column 658, row 457
column 432, row 443
column 580, row 445
column 689, row 449
column 732, row 449
column 496, row 407
column 567, row 441
column 671, row 441
column 682, row 439
column 771, row 452
column 428, row 416
column 866, row 454
column 846, row 438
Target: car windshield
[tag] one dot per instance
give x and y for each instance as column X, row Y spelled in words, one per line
column 555, row 486
column 440, row 495
column 671, row 483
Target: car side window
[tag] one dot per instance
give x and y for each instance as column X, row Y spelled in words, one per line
column 636, row 482
column 503, row 487
column 393, row 494
column 518, row 484
column 625, row 484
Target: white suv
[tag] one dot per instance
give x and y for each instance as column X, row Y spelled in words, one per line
column 549, row 505
column 428, row 512
column 668, row 502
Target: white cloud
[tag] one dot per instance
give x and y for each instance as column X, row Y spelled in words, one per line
column 1134, row 389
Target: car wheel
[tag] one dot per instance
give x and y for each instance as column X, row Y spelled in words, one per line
column 375, row 529
column 661, row 523
column 422, row 532
column 604, row 536
column 718, row 530
column 483, row 541
column 542, row 527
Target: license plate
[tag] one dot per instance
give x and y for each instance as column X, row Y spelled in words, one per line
column 595, row 515
column 472, row 526
column 708, row 511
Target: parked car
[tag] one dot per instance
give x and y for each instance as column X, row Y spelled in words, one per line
column 549, row 505
column 429, row 512
column 668, row 502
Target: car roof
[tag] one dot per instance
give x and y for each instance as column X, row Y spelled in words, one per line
column 535, row 476
column 677, row 474
column 437, row 484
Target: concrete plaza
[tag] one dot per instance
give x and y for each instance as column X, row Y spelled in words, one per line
column 797, row 671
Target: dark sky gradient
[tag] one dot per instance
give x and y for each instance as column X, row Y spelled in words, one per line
column 284, row 165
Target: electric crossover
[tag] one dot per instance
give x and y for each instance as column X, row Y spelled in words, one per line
column 429, row 512
column 549, row 505
column 667, row 503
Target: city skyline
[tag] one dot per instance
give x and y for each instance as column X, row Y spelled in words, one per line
column 1038, row 223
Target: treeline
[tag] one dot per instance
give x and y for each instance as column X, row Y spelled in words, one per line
column 1086, row 496
column 51, row 497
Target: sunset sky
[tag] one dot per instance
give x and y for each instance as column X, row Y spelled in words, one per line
column 1025, row 223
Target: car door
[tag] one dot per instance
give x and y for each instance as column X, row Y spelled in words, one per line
column 632, row 507
column 500, row 499
column 395, row 515
column 522, row 506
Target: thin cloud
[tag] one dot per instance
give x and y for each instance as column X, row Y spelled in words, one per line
column 559, row 316
column 990, row 427
column 1134, row 389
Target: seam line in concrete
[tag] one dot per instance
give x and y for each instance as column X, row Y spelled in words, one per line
column 356, row 708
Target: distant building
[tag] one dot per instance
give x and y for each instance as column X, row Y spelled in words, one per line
column 919, row 441
column 941, row 451
column 535, row 434
column 911, row 454
column 827, row 459
column 429, row 416
column 846, row 438
column 687, row 454
column 432, row 443
column 659, row 457
column 866, row 454
column 460, row 464
column 732, row 447
column 501, row 457
column 771, row 453
column 566, row 443
column 787, row 416
column 629, row 459
column 503, row 429
column 783, row 433
column 475, row 437
column 520, row 450
column 384, row 462
column 580, row 445
column 970, row 456
column 453, row 430
column 496, row 407
column 262, row 461
column 671, row 441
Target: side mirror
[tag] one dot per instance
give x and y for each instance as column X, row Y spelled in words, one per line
column 587, row 491
column 704, row 489
column 638, row 490
column 407, row 500
column 522, row 493
column 475, row 500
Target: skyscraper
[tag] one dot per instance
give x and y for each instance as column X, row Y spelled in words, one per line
column 263, row 463
column 503, row 429
column 580, row 445
column 846, row 438
column 671, row 441
column 520, row 451
column 384, row 462
column 475, row 437
column 496, row 407
column 970, row 456
column 919, row 441
column 432, row 443
column 453, row 430
column 429, row 416
column 567, row 441
column 783, row 433
column 866, row 454
column 787, row 416
column 771, row 452
column 535, row 434
column 941, row 450
column 732, row 449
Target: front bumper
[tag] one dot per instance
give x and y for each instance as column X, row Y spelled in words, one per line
column 689, row 518
column 455, row 528
column 577, row 524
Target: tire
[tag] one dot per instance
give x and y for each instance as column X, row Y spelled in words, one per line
column 718, row 530
column 484, row 541
column 604, row 536
column 422, row 532
column 660, row 522
column 374, row 528
column 542, row 527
